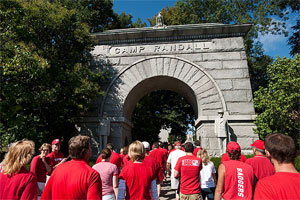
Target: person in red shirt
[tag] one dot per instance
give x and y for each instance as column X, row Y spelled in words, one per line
column 115, row 157
column 188, row 168
column 40, row 166
column 235, row 178
column 160, row 156
column 285, row 183
column 225, row 157
column 16, row 182
column 197, row 144
column 75, row 179
column 136, row 178
column 261, row 165
column 56, row 157
column 123, row 153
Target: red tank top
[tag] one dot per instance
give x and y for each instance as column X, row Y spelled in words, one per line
column 239, row 178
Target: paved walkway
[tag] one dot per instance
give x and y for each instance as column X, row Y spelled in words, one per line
column 166, row 192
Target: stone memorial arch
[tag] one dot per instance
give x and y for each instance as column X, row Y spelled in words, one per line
column 205, row 63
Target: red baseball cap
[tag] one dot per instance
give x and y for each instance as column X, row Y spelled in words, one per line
column 178, row 144
column 259, row 144
column 233, row 146
column 56, row 141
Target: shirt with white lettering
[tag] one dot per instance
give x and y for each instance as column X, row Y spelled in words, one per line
column 189, row 167
column 239, row 178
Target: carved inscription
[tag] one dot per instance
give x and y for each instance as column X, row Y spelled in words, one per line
column 163, row 48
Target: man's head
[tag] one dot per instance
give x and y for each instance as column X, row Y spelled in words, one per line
column 281, row 147
column 110, row 146
column 55, row 145
column 79, row 147
column 155, row 145
column 188, row 147
column 177, row 145
column 258, row 147
column 197, row 143
column 234, row 150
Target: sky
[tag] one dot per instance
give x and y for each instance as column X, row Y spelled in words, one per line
column 274, row 45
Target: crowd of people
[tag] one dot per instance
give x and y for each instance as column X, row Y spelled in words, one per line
column 139, row 170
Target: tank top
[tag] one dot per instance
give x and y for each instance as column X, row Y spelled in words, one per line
column 239, row 178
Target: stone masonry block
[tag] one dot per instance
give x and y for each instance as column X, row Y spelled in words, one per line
column 191, row 57
column 235, row 95
column 210, row 65
column 241, row 108
column 235, row 64
column 241, row 84
column 229, row 73
column 222, row 56
column 129, row 60
column 229, row 43
column 210, row 99
column 224, row 84
column 213, row 143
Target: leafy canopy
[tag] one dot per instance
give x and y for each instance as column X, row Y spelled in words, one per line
column 46, row 78
column 280, row 100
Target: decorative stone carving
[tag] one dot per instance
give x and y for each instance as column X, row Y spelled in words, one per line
column 104, row 130
column 221, row 130
column 159, row 21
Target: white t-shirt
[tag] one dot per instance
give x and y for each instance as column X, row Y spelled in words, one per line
column 173, row 157
column 207, row 179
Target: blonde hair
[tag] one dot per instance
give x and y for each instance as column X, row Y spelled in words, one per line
column 18, row 155
column 202, row 153
column 136, row 151
column 45, row 145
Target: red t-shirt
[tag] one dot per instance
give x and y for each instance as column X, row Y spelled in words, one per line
column 165, row 151
column 74, row 179
column 239, row 179
column 160, row 156
column 225, row 157
column 154, row 165
column 138, row 178
column 22, row 185
column 196, row 151
column 115, row 158
column 126, row 160
column 262, row 166
column 282, row 185
column 189, row 167
column 38, row 168
column 55, row 158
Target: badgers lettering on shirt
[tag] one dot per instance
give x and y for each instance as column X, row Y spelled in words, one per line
column 188, row 162
column 240, row 176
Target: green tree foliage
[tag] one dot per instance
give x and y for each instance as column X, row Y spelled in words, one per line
column 161, row 109
column 99, row 15
column 294, row 40
column 46, row 79
column 280, row 101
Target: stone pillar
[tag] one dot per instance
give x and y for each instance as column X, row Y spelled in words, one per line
column 240, row 129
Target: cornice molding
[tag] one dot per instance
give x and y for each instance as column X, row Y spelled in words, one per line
column 171, row 33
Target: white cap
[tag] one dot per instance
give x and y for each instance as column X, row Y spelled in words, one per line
column 146, row 145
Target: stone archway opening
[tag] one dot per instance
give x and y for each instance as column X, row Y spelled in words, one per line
column 160, row 102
